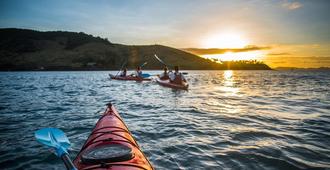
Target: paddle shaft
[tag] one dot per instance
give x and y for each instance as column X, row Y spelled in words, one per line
column 143, row 64
column 67, row 162
column 120, row 69
column 161, row 60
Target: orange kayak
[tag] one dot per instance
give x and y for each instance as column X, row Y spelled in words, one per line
column 132, row 78
column 111, row 146
column 167, row 83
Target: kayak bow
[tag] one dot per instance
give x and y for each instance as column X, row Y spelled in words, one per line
column 167, row 83
column 111, row 146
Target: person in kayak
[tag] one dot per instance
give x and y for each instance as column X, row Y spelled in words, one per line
column 138, row 72
column 123, row 73
column 164, row 75
column 177, row 77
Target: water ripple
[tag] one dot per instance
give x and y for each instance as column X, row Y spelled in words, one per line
column 227, row 120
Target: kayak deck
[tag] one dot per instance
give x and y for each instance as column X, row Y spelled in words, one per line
column 167, row 83
column 113, row 137
column 129, row 78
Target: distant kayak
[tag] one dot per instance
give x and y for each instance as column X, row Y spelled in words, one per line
column 111, row 146
column 167, row 83
column 129, row 78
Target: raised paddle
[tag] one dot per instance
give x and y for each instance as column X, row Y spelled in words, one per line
column 145, row 63
column 160, row 60
column 57, row 140
column 145, row 75
column 185, row 73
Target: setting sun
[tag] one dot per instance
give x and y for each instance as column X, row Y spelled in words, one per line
column 225, row 40
column 231, row 56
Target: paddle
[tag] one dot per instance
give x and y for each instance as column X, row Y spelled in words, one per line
column 57, row 140
column 145, row 63
column 145, row 75
column 185, row 73
column 160, row 60
column 121, row 68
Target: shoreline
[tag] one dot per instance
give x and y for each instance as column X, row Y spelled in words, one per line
column 309, row 69
column 142, row 69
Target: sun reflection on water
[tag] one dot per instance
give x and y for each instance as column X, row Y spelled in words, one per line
column 228, row 83
column 228, row 74
column 224, row 86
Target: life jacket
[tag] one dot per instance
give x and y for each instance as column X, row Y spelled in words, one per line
column 177, row 79
column 164, row 76
column 139, row 73
column 123, row 74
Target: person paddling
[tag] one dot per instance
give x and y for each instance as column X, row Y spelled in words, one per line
column 123, row 73
column 177, row 77
column 138, row 72
column 164, row 75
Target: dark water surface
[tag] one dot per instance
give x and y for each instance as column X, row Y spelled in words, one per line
column 227, row 119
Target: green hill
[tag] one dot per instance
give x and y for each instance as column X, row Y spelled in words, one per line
column 22, row 49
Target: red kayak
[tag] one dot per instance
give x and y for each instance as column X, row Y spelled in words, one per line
column 167, row 83
column 132, row 78
column 111, row 146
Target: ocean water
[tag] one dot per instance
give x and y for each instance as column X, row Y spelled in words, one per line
column 226, row 120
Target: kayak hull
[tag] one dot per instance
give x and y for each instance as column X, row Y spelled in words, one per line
column 167, row 83
column 110, row 130
column 129, row 78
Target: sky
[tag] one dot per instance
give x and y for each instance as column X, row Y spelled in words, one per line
column 284, row 30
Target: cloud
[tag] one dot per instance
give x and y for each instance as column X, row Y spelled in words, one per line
column 279, row 54
column 205, row 51
column 291, row 5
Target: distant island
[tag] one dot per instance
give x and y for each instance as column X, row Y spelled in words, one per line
column 308, row 69
column 23, row 50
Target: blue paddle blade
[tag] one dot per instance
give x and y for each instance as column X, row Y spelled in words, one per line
column 145, row 75
column 54, row 138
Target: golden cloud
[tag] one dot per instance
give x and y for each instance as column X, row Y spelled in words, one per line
column 291, row 5
column 206, row 51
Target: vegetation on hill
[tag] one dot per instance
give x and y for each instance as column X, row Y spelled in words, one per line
column 22, row 49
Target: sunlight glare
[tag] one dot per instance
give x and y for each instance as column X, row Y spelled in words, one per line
column 225, row 40
column 231, row 56
column 228, row 83
column 228, row 74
